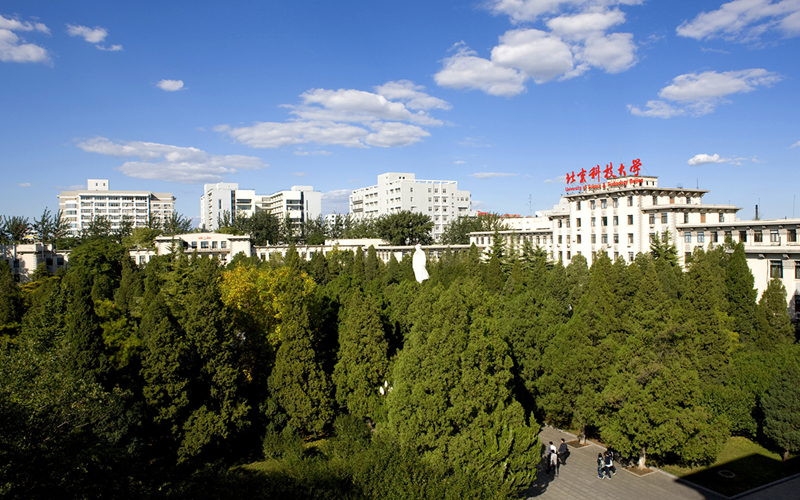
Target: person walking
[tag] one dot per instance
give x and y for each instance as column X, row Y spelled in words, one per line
column 563, row 451
column 552, row 459
column 609, row 464
column 600, row 466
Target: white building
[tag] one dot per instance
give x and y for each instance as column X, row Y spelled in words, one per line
column 300, row 203
column 98, row 200
column 395, row 192
column 24, row 258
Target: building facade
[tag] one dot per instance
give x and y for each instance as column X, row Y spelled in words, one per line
column 300, row 203
column 395, row 192
column 81, row 207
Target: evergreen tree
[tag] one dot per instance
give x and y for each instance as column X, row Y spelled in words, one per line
column 578, row 278
column 742, row 295
column 359, row 270
column 774, row 326
column 394, row 273
column 373, row 265
column 86, row 356
column 318, row 268
column 298, row 382
column 363, row 358
column 10, row 301
column 782, row 410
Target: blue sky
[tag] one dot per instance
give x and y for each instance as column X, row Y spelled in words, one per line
column 504, row 96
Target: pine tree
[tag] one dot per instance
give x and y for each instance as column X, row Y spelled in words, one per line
column 774, row 326
column 394, row 273
column 781, row 407
column 359, row 268
column 84, row 340
column 373, row 265
column 578, row 278
column 363, row 358
column 10, row 300
column 742, row 295
column 298, row 382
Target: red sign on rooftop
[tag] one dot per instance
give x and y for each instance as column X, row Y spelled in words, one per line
column 603, row 177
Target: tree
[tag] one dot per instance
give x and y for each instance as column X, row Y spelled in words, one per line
column 264, row 228
column 10, row 300
column 176, row 224
column 15, row 229
column 782, row 410
column 742, row 295
column 405, row 228
column 84, row 340
column 315, row 231
column 663, row 249
column 774, row 326
column 363, row 358
column 457, row 231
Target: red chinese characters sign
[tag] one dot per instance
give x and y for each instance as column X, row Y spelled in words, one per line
column 604, row 176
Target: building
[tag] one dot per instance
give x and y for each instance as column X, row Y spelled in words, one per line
column 395, row 192
column 24, row 258
column 81, row 207
column 300, row 203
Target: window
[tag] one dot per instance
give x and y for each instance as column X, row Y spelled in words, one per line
column 652, row 237
column 604, row 238
column 686, row 217
column 578, row 205
column 791, row 235
column 223, row 244
column 671, row 200
column 594, row 239
column 630, row 201
column 593, row 222
column 714, row 237
column 773, row 236
column 559, row 239
column 630, row 220
column 630, row 256
column 615, row 202
column 569, row 255
column 655, row 200
column 702, row 218
column 743, row 236
column 203, row 244
column 559, row 223
column 687, row 238
column 567, row 222
column 616, row 220
column 194, row 244
column 776, row 269
column 603, row 203
column 797, row 274
column 578, row 222
column 591, row 204
column 604, row 221
column 721, row 217
column 630, row 238
column 579, row 238
column 757, row 237
column 652, row 219
column 664, row 218
column 213, row 244
column 616, row 238
column 701, row 237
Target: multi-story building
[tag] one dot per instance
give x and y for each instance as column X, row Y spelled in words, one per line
column 299, row 204
column 395, row 192
column 98, row 200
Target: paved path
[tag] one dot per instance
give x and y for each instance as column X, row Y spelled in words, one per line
column 577, row 480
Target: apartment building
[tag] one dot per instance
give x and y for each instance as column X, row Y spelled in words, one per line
column 395, row 192
column 299, row 204
column 98, row 200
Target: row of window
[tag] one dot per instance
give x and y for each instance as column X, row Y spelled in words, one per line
column 758, row 236
column 776, row 269
column 204, row 244
column 603, row 238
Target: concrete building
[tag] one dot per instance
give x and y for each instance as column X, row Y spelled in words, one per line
column 300, row 203
column 98, row 200
column 24, row 258
column 395, row 192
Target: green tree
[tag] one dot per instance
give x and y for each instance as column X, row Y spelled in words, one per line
column 363, row 358
column 175, row 224
column 405, row 228
column 86, row 355
column 264, row 228
column 663, row 249
column 739, row 283
column 457, row 231
column 10, row 301
column 782, row 410
column 774, row 327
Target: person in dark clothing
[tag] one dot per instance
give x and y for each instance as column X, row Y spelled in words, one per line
column 600, row 466
column 563, row 452
column 609, row 464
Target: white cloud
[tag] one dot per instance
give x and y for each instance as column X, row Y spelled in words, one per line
column 464, row 70
column 392, row 117
column 745, row 20
column 578, row 40
column 337, row 201
column 474, row 142
column 15, row 49
column 164, row 162
column 94, row 35
column 704, row 159
column 795, row 145
column 699, row 94
column 557, row 180
column 299, row 174
column 459, row 162
column 301, row 152
column 490, row 175
column 24, row 184
column 170, row 85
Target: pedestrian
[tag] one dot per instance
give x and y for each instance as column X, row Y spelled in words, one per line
column 551, row 452
column 600, row 466
column 609, row 464
column 563, row 451
column 554, row 463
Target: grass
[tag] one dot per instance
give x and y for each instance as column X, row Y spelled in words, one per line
column 751, row 464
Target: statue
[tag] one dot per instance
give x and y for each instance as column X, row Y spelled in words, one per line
column 418, row 262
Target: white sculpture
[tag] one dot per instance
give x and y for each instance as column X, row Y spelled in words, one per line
column 418, row 263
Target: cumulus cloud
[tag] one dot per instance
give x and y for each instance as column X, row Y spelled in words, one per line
column 745, row 20
column 94, row 35
column 575, row 41
column 301, row 152
column 393, row 116
column 164, row 162
column 490, row 175
column 13, row 48
column 459, row 162
column 336, row 201
column 299, row 174
column 795, row 145
column 700, row 94
column 170, row 85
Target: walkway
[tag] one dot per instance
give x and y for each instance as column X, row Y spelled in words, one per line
column 578, row 481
